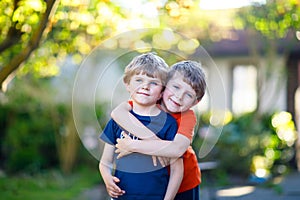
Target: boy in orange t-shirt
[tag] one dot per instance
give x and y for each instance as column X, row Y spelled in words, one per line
column 185, row 87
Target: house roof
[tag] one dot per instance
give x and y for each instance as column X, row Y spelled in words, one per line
column 241, row 42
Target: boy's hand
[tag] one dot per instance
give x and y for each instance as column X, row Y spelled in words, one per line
column 112, row 189
column 121, row 153
column 122, row 145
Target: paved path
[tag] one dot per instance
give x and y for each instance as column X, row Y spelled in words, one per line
column 96, row 193
column 288, row 189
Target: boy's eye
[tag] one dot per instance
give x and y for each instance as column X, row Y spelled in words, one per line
column 138, row 80
column 153, row 83
column 190, row 95
column 175, row 86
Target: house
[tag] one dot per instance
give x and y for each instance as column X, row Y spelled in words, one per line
column 257, row 79
column 253, row 78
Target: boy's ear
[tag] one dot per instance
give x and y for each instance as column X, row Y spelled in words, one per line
column 161, row 95
column 127, row 87
column 196, row 102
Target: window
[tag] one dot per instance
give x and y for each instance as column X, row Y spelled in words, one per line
column 244, row 91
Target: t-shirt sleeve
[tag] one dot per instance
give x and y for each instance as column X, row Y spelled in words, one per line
column 172, row 129
column 108, row 134
column 187, row 124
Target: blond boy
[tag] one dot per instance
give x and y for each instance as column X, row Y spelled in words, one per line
column 135, row 177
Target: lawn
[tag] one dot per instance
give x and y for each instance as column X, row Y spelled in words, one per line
column 50, row 185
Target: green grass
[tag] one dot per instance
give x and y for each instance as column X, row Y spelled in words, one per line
column 51, row 185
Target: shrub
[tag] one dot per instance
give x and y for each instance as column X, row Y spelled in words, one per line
column 29, row 138
column 251, row 143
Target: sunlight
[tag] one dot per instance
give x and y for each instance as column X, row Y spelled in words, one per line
column 226, row 4
column 145, row 8
column 149, row 9
column 285, row 127
column 35, row 5
column 235, row 192
column 220, row 117
column 298, row 35
column 188, row 45
column 260, row 165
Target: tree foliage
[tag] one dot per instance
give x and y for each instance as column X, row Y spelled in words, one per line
column 273, row 19
column 48, row 31
column 22, row 24
column 51, row 29
column 36, row 37
column 58, row 28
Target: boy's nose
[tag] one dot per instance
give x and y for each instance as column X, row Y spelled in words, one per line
column 145, row 86
column 179, row 95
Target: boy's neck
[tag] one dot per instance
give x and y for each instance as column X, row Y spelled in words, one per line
column 163, row 107
column 151, row 110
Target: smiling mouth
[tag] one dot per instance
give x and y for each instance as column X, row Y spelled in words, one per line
column 141, row 93
column 174, row 102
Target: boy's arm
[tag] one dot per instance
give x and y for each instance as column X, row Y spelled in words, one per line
column 126, row 120
column 105, row 167
column 176, row 175
column 165, row 148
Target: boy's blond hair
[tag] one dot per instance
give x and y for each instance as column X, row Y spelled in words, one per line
column 193, row 75
column 148, row 64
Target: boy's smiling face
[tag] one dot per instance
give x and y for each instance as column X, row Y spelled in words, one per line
column 144, row 90
column 178, row 95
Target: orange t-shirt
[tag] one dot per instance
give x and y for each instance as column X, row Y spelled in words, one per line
column 192, row 174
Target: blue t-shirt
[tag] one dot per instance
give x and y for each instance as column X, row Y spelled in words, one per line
column 140, row 179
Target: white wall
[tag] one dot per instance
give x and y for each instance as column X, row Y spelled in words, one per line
column 272, row 81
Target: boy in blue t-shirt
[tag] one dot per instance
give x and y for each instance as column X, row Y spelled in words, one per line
column 144, row 79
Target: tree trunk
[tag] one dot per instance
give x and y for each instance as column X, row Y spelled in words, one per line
column 7, row 71
column 68, row 146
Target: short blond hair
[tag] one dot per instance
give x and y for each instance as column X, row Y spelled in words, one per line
column 149, row 64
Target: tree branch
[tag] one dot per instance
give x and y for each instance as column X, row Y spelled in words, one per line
column 13, row 37
column 33, row 43
column 13, row 34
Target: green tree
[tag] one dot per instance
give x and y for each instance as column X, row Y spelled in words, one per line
column 47, row 31
column 274, row 19
column 36, row 37
column 22, row 24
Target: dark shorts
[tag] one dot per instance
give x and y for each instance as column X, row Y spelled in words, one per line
column 192, row 194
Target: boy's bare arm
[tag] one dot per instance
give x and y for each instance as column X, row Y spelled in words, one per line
column 176, row 175
column 160, row 147
column 105, row 168
column 126, row 120
column 174, row 148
